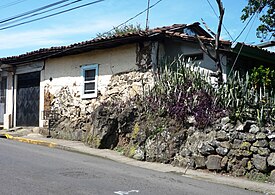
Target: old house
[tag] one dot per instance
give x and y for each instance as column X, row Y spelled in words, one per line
column 74, row 78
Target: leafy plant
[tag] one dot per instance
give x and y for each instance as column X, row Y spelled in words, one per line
column 180, row 91
column 121, row 30
column 250, row 97
column 266, row 10
column 263, row 77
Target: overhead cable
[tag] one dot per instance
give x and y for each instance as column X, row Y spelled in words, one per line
column 51, row 15
column 236, row 59
column 134, row 16
column 60, row 52
column 39, row 13
column 11, row 4
column 32, row 11
column 218, row 17
column 244, row 28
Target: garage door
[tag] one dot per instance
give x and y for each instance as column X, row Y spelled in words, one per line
column 27, row 99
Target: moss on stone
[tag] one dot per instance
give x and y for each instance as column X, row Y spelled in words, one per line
column 245, row 146
column 257, row 176
column 132, row 150
column 246, row 153
column 93, row 141
column 120, row 149
column 263, row 151
column 136, row 130
column 249, row 165
column 96, row 141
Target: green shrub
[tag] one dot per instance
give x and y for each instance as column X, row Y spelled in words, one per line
column 118, row 31
column 263, row 78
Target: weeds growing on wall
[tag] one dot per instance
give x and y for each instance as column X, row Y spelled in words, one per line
column 249, row 97
column 183, row 91
column 117, row 31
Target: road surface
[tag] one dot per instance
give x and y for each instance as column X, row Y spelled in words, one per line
column 27, row 169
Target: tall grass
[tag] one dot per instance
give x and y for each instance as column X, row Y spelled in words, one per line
column 182, row 90
column 247, row 102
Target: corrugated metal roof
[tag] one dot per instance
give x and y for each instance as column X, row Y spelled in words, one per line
column 254, row 52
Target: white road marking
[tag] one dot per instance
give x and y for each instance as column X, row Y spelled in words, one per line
column 124, row 192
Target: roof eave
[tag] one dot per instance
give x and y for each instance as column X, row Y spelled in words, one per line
column 74, row 49
column 254, row 53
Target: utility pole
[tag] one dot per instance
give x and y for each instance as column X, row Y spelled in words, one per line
column 147, row 17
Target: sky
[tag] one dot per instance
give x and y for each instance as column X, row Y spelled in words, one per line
column 84, row 23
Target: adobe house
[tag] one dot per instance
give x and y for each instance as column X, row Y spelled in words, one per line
column 74, row 78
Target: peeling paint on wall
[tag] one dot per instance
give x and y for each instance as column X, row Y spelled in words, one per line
column 48, row 98
column 143, row 59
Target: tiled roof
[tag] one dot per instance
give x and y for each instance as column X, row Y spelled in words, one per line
column 105, row 42
column 193, row 38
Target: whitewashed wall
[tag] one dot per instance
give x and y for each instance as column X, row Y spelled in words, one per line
column 66, row 71
column 9, row 102
column 173, row 48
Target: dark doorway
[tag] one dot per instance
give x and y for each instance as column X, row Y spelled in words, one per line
column 27, row 99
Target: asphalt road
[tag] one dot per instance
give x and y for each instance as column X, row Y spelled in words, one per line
column 37, row 170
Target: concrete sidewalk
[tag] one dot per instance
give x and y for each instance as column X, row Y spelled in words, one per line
column 76, row 146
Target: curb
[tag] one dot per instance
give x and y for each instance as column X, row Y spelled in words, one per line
column 31, row 141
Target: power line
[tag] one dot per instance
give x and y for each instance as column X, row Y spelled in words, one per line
column 60, row 52
column 11, row 4
column 51, row 15
column 36, row 14
column 256, row 11
column 235, row 61
column 32, row 11
column 244, row 28
column 218, row 17
column 150, row 7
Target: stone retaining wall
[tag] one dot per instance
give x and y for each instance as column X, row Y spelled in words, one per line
column 114, row 120
column 244, row 149
column 75, row 114
column 241, row 150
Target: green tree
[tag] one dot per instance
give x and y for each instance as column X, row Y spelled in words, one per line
column 266, row 9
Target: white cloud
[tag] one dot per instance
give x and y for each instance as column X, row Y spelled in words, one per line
column 51, row 36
